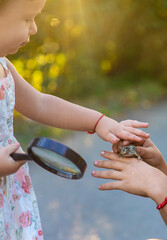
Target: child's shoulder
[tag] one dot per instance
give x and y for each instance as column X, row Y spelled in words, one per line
column 7, row 62
column 9, row 65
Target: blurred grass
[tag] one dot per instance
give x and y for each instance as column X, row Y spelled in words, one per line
column 26, row 130
column 107, row 55
column 115, row 103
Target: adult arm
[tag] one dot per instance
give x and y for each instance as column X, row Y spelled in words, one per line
column 133, row 176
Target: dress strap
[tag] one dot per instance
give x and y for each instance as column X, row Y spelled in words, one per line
column 3, row 62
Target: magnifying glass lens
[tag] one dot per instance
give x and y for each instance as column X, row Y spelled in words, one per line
column 55, row 160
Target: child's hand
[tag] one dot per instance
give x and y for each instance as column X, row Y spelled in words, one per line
column 131, row 175
column 148, row 152
column 7, row 164
column 110, row 130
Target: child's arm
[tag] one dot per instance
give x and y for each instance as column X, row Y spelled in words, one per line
column 149, row 153
column 7, row 164
column 133, row 176
column 54, row 111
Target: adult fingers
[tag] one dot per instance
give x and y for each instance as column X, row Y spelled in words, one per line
column 110, row 155
column 116, row 185
column 112, row 174
column 121, row 185
column 117, row 146
column 113, row 156
column 144, row 152
column 110, row 164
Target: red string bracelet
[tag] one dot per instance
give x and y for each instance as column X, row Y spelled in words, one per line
column 91, row 132
column 161, row 205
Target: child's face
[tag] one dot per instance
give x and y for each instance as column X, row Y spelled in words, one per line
column 17, row 24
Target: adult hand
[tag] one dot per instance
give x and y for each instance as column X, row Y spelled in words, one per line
column 132, row 175
column 148, row 152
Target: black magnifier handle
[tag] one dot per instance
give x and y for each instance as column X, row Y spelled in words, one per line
column 20, row 156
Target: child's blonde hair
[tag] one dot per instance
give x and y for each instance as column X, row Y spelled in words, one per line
column 3, row 2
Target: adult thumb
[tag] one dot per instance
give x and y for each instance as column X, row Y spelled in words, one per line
column 143, row 152
column 12, row 147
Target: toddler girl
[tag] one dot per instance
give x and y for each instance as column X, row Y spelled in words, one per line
column 19, row 216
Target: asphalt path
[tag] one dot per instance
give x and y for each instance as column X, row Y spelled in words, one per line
column 77, row 210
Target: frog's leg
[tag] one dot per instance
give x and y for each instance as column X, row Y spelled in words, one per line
column 120, row 155
column 138, row 156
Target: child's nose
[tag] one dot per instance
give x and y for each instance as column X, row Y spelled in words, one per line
column 33, row 28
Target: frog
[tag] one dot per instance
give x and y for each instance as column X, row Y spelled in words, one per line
column 129, row 151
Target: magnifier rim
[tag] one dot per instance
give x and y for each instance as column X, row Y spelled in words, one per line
column 52, row 168
column 41, row 141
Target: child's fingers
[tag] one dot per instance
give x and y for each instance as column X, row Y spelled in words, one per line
column 138, row 132
column 110, row 164
column 116, row 185
column 125, row 143
column 122, row 135
column 129, row 136
column 111, row 174
column 134, row 123
column 112, row 138
column 12, row 148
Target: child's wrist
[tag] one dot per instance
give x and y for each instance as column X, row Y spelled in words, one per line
column 96, row 123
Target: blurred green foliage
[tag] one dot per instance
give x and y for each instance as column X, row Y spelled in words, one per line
column 108, row 54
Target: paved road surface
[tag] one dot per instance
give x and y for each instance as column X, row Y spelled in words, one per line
column 77, row 210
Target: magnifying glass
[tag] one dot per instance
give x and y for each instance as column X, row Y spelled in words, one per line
column 54, row 157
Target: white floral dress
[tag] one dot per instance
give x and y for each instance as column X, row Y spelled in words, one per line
column 19, row 215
